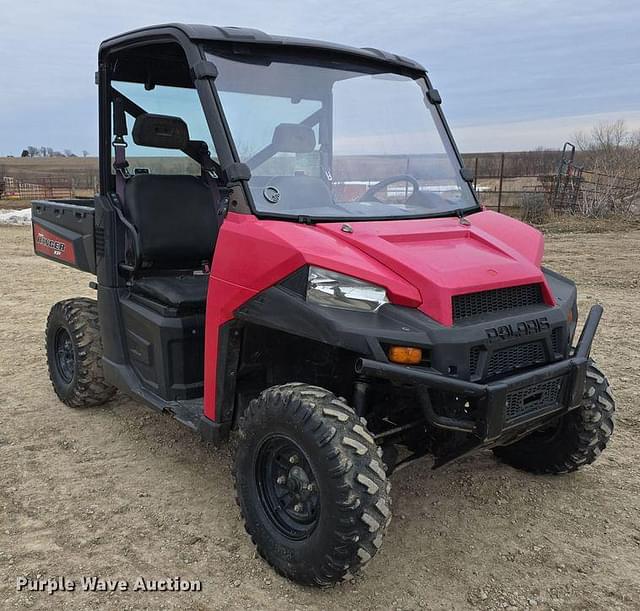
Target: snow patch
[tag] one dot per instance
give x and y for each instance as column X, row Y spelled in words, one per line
column 15, row 217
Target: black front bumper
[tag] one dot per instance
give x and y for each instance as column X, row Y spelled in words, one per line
column 520, row 402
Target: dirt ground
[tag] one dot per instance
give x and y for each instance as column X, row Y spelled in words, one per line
column 123, row 492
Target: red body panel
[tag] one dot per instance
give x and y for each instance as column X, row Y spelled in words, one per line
column 51, row 245
column 421, row 263
column 443, row 258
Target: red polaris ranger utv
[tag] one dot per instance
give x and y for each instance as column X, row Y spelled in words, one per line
column 286, row 245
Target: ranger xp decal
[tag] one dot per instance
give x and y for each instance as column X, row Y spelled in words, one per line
column 51, row 245
column 57, row 247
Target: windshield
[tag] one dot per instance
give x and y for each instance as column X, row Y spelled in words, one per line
column 338, row 141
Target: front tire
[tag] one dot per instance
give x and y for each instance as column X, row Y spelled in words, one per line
column 74, row 353
column 310, row 484
column 573, row 441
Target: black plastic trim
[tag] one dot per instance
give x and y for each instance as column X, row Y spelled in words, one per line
column 490, row 424
column 237, row 171
column 204, row 70
column 213, row 432
column 434, row 96
column 233, row 35
column 229, row 347
column 467, row 174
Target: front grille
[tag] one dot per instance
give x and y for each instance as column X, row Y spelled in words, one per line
column 530, row 399
column 474, row 357
column 556, row 339
column 516, row 357
column 495, row 300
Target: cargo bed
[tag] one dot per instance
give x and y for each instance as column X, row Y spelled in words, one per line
column 63, row 231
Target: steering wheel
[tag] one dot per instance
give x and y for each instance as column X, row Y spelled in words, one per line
column 371, row 191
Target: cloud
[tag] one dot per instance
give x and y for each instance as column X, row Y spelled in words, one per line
column 496, row 62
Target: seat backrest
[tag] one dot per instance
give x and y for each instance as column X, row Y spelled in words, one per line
column 175, row 218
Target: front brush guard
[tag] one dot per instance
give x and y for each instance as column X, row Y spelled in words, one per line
column 490, row 423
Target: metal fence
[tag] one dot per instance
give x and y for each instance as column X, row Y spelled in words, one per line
column 576, row 189
column 503, row 181
column 51, row 187
column 500, row 183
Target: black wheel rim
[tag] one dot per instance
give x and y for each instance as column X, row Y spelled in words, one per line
column 287, row 487
column 65, row 357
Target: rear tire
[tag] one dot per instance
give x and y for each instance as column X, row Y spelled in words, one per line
column 577, row 439
column 311, row 484
column 74, row 353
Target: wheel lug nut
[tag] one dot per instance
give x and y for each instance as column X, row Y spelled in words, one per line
column 282, row 480
column 297, row 507
column 294, row 459
column 310, row 487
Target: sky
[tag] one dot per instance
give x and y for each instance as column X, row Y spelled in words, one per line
column 513, row 74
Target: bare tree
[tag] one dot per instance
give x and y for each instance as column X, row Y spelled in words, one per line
column 610, row 152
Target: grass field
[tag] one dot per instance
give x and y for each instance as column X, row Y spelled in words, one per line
column 48, row 166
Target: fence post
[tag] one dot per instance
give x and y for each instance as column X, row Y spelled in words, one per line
column 501, row 176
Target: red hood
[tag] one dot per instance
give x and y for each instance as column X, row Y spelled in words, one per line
column 443, row 258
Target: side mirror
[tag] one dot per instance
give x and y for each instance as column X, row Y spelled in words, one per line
column 237, row 171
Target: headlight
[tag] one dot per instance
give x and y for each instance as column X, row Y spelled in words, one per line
column 336, row 290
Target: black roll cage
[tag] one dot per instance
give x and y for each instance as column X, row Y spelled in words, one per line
column 194, row 148
column 192, row 40
column 220, row 133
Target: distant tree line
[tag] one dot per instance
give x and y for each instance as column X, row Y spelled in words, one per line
column 538, row 162
column 611, row 147
column 47, row 151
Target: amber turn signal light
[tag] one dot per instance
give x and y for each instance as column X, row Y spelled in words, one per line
column 405, row 355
